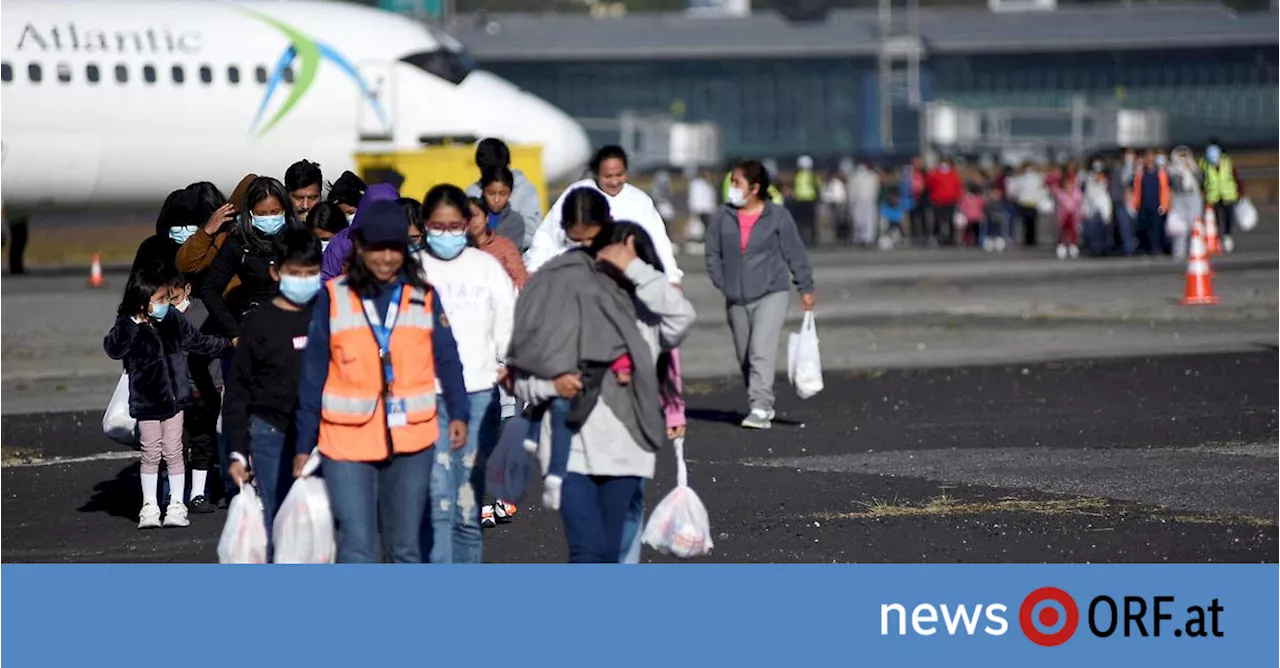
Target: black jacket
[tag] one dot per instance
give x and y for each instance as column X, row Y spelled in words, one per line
column 256, row 286
column 159, row 386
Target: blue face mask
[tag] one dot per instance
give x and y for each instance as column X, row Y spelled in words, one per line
column 1213, row 154
column 300, row 289
column 447, row 246
column 159, row 311
column 181, row 234
column 268, row 225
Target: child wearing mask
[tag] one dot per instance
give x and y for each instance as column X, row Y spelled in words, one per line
column 1067, row 199
column 325, row 221
column 999, row 221
column 1097, row 210
column 262, row 388
column 496, row 245
column 973, row 208
column 152, row 340
column 496, row 184
column 200, row 419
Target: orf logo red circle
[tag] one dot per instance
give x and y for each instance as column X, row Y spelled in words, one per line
column 1048, row 616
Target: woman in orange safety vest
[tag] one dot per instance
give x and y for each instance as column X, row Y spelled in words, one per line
column 367, row 394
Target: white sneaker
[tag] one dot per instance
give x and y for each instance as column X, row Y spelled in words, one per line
column 176, row 515
column 149, row 517
column 1074, row 251
column 551, row 492
column 1000, row 243
column 1061, row 252
column 758, row 419
column 989, row 245
column 1228, row 244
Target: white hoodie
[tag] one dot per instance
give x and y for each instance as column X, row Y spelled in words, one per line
column 631, row 204
column 479, row 300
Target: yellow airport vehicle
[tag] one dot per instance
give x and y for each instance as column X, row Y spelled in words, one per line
column 445, row 163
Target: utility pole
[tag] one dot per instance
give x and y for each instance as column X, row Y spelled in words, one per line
column 894, row 48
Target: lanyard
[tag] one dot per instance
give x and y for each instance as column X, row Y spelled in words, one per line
column 382, row 330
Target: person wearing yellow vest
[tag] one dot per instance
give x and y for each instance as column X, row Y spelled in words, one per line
column 806, row 197
column 378, row 341
column 1221, row 189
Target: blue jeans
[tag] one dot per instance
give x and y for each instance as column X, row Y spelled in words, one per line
column 596, row 510
column 451, row 531
column 1124, row 227
column 1151, row 231
column 392, row 493
column 561, row 435
column 272, row 467
column 632, row 529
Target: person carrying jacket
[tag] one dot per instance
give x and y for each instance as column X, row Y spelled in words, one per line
column 492, row 152
column 200, row 248
column 1151, row 199
column 1222, row 189
column 152, row 341
column 338, row 251
column 377, row 343
column 752, row 249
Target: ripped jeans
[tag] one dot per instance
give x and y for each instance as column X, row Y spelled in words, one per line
column 451, row 530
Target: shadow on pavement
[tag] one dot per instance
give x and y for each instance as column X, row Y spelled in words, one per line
column 119, row 497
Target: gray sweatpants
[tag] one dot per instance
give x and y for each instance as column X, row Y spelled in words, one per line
column 757, row 328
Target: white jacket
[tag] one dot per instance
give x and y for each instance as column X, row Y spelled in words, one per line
column 479, row 300
column 864, row 185
column 1097, row 199
column 631, row 204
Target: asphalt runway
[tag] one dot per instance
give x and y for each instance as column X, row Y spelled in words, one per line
column 978, row 408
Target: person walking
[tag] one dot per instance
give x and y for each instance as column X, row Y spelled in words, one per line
column 752, row 249
column 945, row 189
column 338, row 252
column 377, row 342
column 1151, row 199
column 479, row 300
column 608, row 301
column 152, row 341
column 303, row 180
column 493, row 153
column 864, row 196
column 1188, row 202
column 1123, row 213
column 1222, row 189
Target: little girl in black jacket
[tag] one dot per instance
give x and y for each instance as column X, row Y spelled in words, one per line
column 151, row 339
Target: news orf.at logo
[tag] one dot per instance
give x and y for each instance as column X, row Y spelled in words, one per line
column 1049, row 617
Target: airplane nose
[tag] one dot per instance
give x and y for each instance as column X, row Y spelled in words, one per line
column 519, row 117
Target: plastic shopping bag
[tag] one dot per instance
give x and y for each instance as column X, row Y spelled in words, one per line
column 1246, row 214
column 1176, row 224
column 116, row 422
column 244, row 536
column 804, row 363
column 510, row 466
column 679, row 526
column 303, row 532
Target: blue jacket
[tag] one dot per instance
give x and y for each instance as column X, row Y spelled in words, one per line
column 315, row 368
column 335, row 254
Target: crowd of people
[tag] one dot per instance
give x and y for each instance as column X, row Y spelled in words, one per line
column 399, row 337
column 1125, row 204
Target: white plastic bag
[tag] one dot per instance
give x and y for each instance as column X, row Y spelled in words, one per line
column 116, row 422
column 1176, row 224
column 1246, row 214
column 244, row 536
column 303, row 532
column 510, row 466
column 804, row 363
column 679, row 525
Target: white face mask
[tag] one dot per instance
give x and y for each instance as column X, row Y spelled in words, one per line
column 737, row 197
column 324, row 245
column 183, row 305
column 351, row 218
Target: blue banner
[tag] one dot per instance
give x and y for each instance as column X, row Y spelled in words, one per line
column 690, row 614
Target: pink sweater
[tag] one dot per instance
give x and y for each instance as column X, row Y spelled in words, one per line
column 674, row 409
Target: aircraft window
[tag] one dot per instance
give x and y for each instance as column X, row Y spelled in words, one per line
column 64, row 73
column 233, row 74
column 122, row 74
column 33, row 72
column 179, row 74
column 6, row 72
column 149, row 73
column 206, row 74
column 288, row 75
column 260, row 73
column 452, row 66
column 91, row 73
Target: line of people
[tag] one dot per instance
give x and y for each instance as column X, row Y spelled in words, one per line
column 386, row 333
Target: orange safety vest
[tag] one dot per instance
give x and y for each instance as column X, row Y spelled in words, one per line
column 353, row 417
column 1163, row 176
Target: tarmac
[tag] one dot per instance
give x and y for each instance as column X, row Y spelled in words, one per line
column 978, row 408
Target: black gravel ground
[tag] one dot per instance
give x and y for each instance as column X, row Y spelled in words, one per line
column 1057, row 462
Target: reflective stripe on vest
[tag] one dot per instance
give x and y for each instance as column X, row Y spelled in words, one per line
column 1219, row 182
column 354, row 422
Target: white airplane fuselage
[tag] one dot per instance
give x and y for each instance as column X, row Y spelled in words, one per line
column 119, row 102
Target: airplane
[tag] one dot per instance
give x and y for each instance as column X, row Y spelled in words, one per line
column 118, row 102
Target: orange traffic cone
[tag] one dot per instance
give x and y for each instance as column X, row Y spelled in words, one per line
column 1199, row 278
column 95, row 272
column 1213, row 243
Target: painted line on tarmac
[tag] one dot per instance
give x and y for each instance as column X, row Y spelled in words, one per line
column 54, row 461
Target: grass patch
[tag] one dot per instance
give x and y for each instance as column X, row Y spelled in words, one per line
column 11, row 455
column 945, row 505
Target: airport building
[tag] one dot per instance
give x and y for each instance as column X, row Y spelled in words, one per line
column 781, row 88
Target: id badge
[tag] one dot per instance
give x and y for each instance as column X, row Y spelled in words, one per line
column 396, row 413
